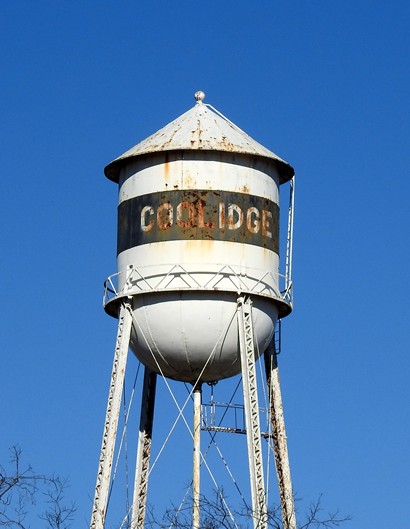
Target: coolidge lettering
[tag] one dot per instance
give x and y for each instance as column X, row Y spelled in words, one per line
column 200, row 215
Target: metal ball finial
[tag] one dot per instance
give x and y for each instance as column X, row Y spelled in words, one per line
column 199, row 96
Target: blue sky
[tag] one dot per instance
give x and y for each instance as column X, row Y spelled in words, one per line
column 324, row 84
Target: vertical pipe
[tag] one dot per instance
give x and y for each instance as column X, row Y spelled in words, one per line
column 289, row 240
column 279, row 439
column 196, row 458
column 144, row 449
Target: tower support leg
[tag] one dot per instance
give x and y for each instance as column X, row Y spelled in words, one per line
column 196, row 459
column 144, row 450
column 279, row 440
column 250, row 393
column 111, row 418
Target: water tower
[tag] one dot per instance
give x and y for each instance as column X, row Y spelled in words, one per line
column 198, row 289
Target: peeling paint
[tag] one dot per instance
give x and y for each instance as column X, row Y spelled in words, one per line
column 200, row 129
column 198, row 215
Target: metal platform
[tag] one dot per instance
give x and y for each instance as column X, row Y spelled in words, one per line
column 227, row 418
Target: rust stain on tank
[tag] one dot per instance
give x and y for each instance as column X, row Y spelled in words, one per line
column 206, row 246
column 188, row 180
column 166, row 169
column 196, row 140
column 226, row 144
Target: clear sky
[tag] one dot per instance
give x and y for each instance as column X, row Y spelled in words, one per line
column 325, row 85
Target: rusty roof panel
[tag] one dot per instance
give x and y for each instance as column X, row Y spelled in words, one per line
column 200, row 128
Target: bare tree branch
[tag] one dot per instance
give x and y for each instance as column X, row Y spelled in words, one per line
column 59, row 515
column 315, row 519
column 20, row 491
column 215, row 515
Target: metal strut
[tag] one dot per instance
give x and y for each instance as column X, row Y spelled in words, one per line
column 111, row 417
column 196, row 481
column 279, row 439
column 250, row 394
column 144, row 450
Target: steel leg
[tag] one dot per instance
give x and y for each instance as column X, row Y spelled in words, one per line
column 279, row 440
column 144, row 450
column 250, row 394
column 111, row 418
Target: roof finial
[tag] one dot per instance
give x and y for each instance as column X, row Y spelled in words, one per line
column 199, row 96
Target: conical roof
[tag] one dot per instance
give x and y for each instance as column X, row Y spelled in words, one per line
column 200, row 128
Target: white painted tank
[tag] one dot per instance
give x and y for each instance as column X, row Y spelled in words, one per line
column 198, row 224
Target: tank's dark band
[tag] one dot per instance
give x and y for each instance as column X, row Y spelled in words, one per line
column 198, row 215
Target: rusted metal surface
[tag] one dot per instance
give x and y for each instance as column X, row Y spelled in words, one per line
column 198, row 233
column 144, row 450
column 198, row 224
column 201, row 128
column 279, row 440
column 250, row 398
column 111, row 418
column 200, row 215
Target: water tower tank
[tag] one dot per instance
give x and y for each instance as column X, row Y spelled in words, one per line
column 198, row 225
